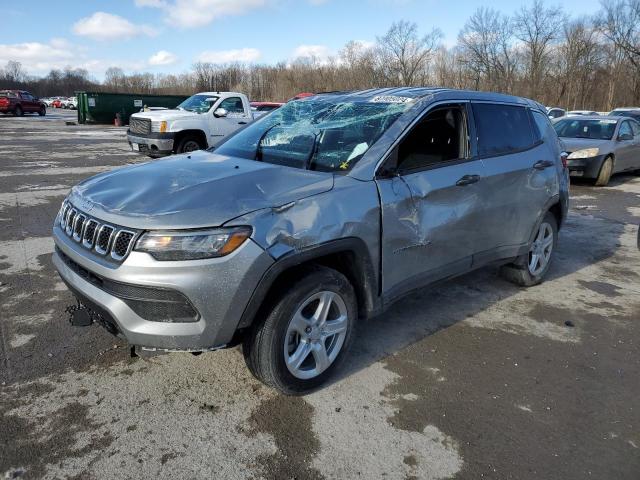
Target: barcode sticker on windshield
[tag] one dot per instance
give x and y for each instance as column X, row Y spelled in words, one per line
column 391, row 99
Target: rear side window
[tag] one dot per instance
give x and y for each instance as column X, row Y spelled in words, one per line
column 502, row 129
column 542, row 123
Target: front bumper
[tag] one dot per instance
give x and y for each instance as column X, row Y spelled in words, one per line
column 586, row 167
column 153, row 144
column 218, row 288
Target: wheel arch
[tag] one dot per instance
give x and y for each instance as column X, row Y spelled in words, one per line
column 348, row 256
column 202, row 137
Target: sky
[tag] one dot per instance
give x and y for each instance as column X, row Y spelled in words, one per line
column 168, row 36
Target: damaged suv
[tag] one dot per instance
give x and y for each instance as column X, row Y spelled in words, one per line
column 311, row 219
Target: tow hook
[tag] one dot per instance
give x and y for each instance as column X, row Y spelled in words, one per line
column 79, row 315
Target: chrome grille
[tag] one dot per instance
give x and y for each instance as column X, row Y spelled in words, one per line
column 105, row 240
column 139, row 125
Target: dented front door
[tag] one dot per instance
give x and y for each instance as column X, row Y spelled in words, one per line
column 430, row 222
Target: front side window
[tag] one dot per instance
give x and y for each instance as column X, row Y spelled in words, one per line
column 586, row 128
column 232, row 105
column 439, row 137
column 316, row 134
column 198, row 103
column 502, row 129
column 635, row 126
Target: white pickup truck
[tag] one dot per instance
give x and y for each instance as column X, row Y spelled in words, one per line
column 201, row 121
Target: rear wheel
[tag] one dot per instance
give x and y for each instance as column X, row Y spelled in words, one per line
column 18, row 112
column 531, row 268
column 189, row 143
column 305, row 335
column 605, row 172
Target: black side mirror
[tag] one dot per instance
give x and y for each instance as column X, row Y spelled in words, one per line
column 624, row 137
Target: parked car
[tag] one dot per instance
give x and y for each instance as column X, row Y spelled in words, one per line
column 57, row 102
column 600, row 146
column 19, row 102
column 262, row 108
column 556, row 112
column 311, row 219
column 71, row 103
column 574, row 113
column 302, row 95
column 626, row 112
column 201, row 121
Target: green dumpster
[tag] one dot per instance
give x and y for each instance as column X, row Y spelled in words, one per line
column 101, row 107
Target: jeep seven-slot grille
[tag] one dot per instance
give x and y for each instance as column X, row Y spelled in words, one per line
column 106, row 240
column 140, row 125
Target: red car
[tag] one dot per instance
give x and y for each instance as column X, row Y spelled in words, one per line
column 265, row 106
column 57, row 103
column 20, row 102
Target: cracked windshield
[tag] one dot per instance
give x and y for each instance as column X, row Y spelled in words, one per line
column 316, row 134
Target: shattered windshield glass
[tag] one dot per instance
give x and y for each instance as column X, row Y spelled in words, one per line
column 317, row 134
column 198, row 103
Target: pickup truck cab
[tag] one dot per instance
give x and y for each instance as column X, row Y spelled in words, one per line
column 200, row 122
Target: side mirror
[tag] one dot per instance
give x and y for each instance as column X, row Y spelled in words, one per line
column 220, row 113
column 624, row 137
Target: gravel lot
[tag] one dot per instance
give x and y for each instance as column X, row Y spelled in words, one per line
column 474, row 378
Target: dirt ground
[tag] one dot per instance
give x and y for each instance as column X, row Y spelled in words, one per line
column 474, row 378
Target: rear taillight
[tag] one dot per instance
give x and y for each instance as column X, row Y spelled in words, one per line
column 563, row 158
column 4, row 101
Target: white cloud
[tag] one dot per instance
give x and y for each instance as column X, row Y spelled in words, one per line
column 162, row 58
column 37, row 57
column 228, row 56
column 318, row 52
column 105, row 26
column 197, row 13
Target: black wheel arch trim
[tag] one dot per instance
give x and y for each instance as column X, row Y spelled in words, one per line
column 366, row 286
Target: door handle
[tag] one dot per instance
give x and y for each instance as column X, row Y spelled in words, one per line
column 542, row 164
column 467, row 180
column 242, row 123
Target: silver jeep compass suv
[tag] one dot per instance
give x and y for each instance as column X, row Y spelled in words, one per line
column 312, row 219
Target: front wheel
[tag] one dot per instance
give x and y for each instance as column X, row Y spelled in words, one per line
column 187, row 144
column 42, row 112
column 306, row 334
column 605, row 173
column 531, row 268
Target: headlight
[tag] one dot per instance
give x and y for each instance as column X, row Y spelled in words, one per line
column 586, row 153
column 192, row 244
column 159, row 127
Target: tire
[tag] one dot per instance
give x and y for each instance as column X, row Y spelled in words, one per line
column 18, row 112
column 42, row 112
column 189, row 143
column 276, row 341
column 525, row 271
column 605, row 173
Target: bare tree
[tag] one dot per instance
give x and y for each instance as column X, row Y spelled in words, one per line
column 486, row 47
column 404, row 55
column 537, row 27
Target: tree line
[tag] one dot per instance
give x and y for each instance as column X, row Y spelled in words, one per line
column 539, row 52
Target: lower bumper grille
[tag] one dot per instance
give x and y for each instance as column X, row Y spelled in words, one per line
column 151, row 303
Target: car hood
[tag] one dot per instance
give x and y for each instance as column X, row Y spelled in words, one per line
column 169, row 114
column 573, row 144
column 194, row 190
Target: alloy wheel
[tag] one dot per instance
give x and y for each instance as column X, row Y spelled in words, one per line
column 315, row 334
column 541, row 248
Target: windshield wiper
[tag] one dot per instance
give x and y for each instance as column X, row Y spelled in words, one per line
column 258, row 156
